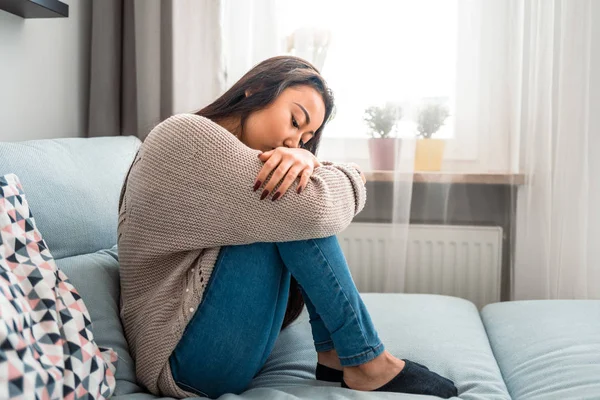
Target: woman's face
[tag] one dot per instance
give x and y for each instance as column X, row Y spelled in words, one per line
column 292, row 118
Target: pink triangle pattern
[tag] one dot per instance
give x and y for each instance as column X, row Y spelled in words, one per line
column 45, row 329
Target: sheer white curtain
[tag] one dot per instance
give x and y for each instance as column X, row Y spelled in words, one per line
column 529, row 82
column 521, row 82
column 558, row 214
column 249, row 35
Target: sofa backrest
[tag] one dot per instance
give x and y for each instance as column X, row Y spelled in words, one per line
column 73, row 187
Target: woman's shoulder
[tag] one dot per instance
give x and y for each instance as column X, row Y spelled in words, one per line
column 179, row 140
column 186, row 131
column 189, row 119
column 180, row 124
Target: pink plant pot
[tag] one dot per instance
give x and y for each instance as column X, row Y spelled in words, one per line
column 383, row 153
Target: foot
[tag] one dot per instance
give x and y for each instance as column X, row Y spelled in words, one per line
column 373, row 374
column 386, row 373
column 329, row 359
column 329, row 367
column 324, row 373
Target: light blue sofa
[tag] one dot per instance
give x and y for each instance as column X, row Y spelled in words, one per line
column 521, row 350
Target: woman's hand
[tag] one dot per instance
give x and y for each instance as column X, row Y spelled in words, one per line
column 287, row 164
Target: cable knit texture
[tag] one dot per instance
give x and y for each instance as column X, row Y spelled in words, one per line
column 188, row 193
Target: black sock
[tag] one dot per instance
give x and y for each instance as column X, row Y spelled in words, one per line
column 418, row 379
column 324, row 373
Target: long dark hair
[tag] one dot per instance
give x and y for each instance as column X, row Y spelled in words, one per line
column 265, row 82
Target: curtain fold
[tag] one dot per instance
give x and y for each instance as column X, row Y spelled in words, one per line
column 556, row 252
column 150, row 60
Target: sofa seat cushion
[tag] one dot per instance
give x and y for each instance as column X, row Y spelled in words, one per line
column 444, row 333
column 547, row 349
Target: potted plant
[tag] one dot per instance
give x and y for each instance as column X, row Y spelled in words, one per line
column 430, row 152
column 382, row 147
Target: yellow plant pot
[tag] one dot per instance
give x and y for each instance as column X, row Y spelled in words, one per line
column 429, row 154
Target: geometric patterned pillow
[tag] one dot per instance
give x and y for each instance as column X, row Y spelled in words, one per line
column 47, row 349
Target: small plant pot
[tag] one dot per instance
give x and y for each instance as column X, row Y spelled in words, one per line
column 382, row 152
column 429, row 154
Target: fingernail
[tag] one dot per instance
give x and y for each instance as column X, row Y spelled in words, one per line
column 276, row 196
column 264, row 194
column 257, row 185
column 299, row 189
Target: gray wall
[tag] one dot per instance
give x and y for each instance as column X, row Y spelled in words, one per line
column 44, row 74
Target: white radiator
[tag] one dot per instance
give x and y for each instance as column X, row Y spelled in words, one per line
column 461, row 261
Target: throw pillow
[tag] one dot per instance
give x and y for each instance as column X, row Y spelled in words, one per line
column 47, row 349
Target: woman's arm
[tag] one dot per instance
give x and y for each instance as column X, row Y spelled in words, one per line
column 194, row 188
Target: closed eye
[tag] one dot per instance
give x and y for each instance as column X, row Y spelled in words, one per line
column 295, row 123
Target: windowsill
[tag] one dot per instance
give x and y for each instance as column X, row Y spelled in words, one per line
column 449, row 177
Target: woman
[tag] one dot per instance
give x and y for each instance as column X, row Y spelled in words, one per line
column 211, row 270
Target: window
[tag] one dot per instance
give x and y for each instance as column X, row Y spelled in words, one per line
column 377, row 51
column 406, row 52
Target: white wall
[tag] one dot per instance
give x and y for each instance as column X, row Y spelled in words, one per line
column 44, row 74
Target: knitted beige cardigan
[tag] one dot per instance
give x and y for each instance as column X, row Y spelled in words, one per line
column 189, row 191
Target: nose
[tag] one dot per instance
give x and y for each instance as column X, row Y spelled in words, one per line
column 293, row 141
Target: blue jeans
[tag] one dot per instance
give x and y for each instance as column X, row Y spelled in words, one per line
column 235, row 327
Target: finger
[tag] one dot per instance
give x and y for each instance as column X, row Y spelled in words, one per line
column 265, row 156
column 266, row 169
column 289, row 178
column 306, row 174
column 277, row 176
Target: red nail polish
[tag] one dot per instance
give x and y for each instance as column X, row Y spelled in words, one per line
column 299, row 189
column 276, row 196
column 257, row 185
column 264, row 194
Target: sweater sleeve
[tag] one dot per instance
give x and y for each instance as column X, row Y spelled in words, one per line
column 194, row 189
